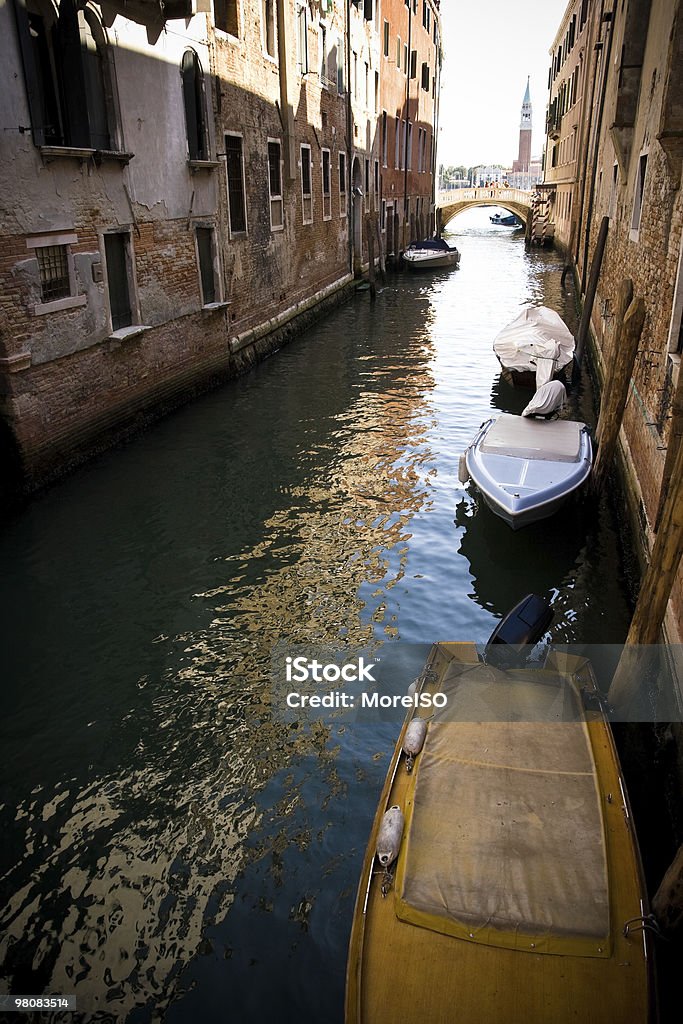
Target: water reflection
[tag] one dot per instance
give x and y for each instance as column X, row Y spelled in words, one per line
column 169, row 846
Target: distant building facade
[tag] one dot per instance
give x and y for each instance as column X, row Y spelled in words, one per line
column 409, row 92
column 184, row 183
column 567, row 115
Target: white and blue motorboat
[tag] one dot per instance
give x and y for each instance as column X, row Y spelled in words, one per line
column 526, row 468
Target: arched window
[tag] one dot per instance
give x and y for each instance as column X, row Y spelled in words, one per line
column 68, row 75
column 195, row 106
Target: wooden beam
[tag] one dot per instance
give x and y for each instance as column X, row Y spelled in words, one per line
column 630, row 317
column 584, row 326
column 668, row 900
column 655, row 591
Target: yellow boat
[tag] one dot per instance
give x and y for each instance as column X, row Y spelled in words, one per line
column 515, row 895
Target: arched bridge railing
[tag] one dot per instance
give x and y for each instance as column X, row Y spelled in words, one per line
column 453, row 201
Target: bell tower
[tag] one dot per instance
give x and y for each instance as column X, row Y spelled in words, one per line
column 523, row 160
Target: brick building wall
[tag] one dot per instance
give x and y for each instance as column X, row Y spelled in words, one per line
column 634, row 178
column 202, row 301
column 411, row 48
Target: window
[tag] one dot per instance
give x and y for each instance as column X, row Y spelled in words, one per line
column 425, row 77
column 116, row 253
column 386, row 38
column 367, row 86
column 376, row 194
column 225, row 16
column 366, row 202
column 234, row 164
column 322, row 53
column 206, row 258
column 342, row 185
column 275, row 185
column 383, row 216
column 368, row 9
column 638, row 197
column 397, row 144
column 195, row 106
column 410, row 146
column 613, row 192
column 405, row 58
column 68, row 73
column 384, row 138
column 306, row 191
column 302, row 37
column 398, row 51
column 327, row 196
column 268, row 26
column 341, row 71
column 56, row 272
column 413, row 63
column 376, row 103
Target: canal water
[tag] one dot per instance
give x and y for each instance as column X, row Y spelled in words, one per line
column 172, row 848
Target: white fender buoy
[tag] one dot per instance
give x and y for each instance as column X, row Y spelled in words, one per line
column 390, row 835
column 412, row 689
column 413, row 741
column 463, row 471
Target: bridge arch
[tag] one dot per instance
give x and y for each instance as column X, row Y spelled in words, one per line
column 452, row 202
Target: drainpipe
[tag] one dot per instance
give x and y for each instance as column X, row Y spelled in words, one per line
column 286, row 112
column 349, row 137
column 405, row 148
column 435, row 129
column 608, row 17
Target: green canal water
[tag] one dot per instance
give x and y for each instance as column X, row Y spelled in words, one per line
column 171, row 849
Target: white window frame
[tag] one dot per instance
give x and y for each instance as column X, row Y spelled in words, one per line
column 276, row 199
column 264, row 33
column 215, row 266
column 70, row 301
column 343, row 192
column 327, row 196
column 302, row 37
column 306, row 197
column 245, row 232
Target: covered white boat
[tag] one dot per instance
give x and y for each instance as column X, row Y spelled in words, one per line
column 534, row 347
column 431, row 254
column 526, row 468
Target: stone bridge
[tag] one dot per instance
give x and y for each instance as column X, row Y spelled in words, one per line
column 451, row 202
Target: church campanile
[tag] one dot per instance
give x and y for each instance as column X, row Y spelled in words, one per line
column 523, row 160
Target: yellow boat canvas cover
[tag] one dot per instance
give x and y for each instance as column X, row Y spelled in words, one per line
column 504, row 837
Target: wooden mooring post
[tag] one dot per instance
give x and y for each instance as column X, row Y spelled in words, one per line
column 370, row 232
column 654, row 594
column 630, row 316
column 667, row 903
column 584, row 326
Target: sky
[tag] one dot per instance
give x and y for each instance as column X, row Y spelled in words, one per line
column 490, row 46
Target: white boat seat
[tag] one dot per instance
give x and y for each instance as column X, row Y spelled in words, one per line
column 521, row 438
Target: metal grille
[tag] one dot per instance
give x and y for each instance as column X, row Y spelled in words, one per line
column 54, row 272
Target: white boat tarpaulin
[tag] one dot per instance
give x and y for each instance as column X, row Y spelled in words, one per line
column 537, row 340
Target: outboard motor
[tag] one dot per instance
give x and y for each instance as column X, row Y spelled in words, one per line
column 514, row 636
